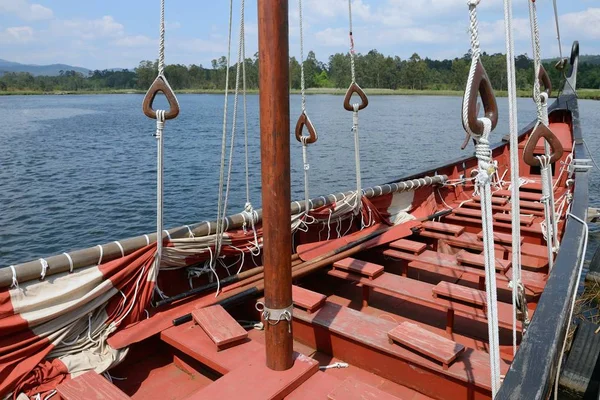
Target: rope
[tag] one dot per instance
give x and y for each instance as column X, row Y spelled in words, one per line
column 475, row 56
column 219, row 231
column 15, row 282
column 557, row 30
column 70, row 262
column 581, row 262
column 44, row 268
column 302, row 82
column 101, row 254
column 358, row 203
column 535, row 42
column 307, row 202
column 160, row 125
column 352, row 53
column 161, row 50
column 514, row 165
column 486, row 170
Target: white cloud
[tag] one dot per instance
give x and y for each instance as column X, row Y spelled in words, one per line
column 104, row 27
column 24, row 10
column 16, row 35
column 584, row 24
column 134, row 41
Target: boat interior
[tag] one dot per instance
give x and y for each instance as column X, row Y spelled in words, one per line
column 404, row 318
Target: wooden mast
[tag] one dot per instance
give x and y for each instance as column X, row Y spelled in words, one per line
column 273, row 50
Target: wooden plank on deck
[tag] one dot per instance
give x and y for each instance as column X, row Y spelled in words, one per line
column 365, row 268
column 253, row 380
column 219, row 325
column 307, row 299
column 461, row 293
column 442, row 227
column 408, row 245
column 464, row 257
column 425, row 342
column 89, row 385
column 352, row 389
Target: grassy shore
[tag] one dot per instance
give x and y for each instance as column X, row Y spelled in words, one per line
column 589, row 94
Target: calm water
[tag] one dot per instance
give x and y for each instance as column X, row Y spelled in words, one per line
column 76, row 171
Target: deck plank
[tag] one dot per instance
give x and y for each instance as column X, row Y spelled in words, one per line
column 425, row 342
column 253, row 380
column 443, row 227
column 464, row 257
column 192, row 340
column 307, row 299
column 409, row 245
column 219, row 325
column 352, row 389
column 90, row 385
column 458, row 292
column 365, row 268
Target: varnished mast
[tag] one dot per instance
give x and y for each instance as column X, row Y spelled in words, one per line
column 275, row 158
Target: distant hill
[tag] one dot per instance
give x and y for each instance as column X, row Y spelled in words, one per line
column 36, row 70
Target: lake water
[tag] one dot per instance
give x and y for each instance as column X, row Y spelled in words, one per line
column 77, row 171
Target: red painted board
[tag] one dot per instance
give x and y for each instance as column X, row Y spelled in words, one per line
column 408, row 245
column 352, row 389
column 359, row 267
column 464, row 257
column 252, row 380
column 193, row 341
column 425, row 342
column 91, row 386
column 458, row 292
column 316, row 387
column 307, row 299
column 219, row 325
column 443, row 227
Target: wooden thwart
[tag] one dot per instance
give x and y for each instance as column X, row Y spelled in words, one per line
column 307, row 299
column 464, row 257
column 526, row 220
column 219, row 325
column 425, row 342
column 408, row 245
column 500, row 238
column 530, row 196
column 89, row 385
column 365, row 268
column 442, row 227
column 461, row 293
column 352, row 389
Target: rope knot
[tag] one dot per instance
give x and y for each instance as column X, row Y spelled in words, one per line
column 473, row 3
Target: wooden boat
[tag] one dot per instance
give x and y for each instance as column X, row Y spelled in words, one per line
column 388, row 304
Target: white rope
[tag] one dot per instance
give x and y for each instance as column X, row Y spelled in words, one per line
column 569, row 321
column 161, row 50
column 219, row 231
column 551, row 202
column 514, row 166
column 147, row 240
column 44, row 268
column 70, row 262
column 537, row 58
column 190, row 231
column 101, row 254
column 557, row 31
column 546, row 190
column 358, row 203
column 302, row 81
column 120, row 248
column 475, row 56
column 486, row 170
column 160, row 124
column 352, row 67
column 15, row 282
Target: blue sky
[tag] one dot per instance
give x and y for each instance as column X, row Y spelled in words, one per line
column 109, row 33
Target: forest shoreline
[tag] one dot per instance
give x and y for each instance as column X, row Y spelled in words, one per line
column 585, row 94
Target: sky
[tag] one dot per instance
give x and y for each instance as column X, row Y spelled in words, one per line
column 99, row 34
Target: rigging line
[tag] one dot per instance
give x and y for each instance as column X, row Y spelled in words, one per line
column 244, row 88
column 352, row 67
column 219, row 228
column 161, row 51
column 557, row 30
column 235, row 113
column 302, row 82
column 535, row 43
column 514, row 164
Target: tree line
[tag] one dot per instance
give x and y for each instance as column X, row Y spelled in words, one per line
column 373, row 70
